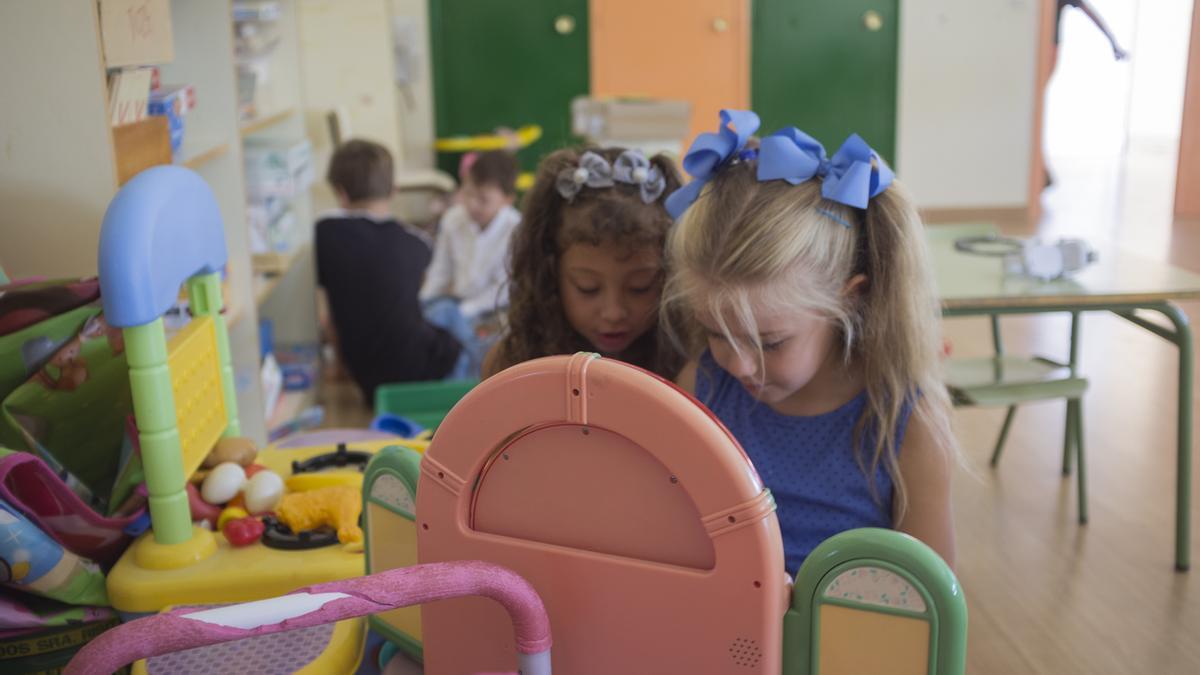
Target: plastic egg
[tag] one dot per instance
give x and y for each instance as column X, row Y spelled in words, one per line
column 263, row 491
column 223, row 483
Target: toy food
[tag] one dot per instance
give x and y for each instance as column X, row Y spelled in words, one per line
column 263, row 491
column 201, row 510
column 337, row 506
column 243, row 531
column 223, row 483
column 240, row 451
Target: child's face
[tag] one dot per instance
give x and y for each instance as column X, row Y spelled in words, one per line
column 796, row 345
column 483, row 202
column 610, row 293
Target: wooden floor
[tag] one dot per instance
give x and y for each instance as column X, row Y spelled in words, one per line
column 1045, row 594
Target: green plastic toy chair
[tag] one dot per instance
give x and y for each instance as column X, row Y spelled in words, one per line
column 882, row 584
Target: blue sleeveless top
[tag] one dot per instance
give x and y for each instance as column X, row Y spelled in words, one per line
column 808, row 463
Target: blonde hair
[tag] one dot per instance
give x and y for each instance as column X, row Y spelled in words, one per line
column 785, row 245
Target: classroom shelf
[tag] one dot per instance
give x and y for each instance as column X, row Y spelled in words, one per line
column 263, row 122
column 203, row 154
column 276, row 263
column 290, row 405
column 263, row 284
column 233, row 314
column 61, row 107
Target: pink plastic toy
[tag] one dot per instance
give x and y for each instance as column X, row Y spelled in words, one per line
column 648, row 533
column 326, row 603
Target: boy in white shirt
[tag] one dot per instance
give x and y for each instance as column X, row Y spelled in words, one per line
column 468, row 278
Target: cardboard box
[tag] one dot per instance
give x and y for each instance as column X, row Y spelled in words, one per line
column 630, row 119
column 141, row 145
column 136, row 32
column 173, row 102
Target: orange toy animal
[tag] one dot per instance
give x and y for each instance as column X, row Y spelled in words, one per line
column 337, row 506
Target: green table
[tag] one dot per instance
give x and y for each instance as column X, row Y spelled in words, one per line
column 1124, row 284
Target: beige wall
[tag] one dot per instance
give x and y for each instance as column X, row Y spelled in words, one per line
column 414, row 111
column 56, row 160
column 346, row 60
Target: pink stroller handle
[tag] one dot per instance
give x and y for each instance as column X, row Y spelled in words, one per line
column 183, row 629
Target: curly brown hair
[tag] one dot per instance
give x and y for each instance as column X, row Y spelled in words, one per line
column 537, row 323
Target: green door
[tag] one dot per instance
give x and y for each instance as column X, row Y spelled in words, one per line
column 828, row 67
column 504, row 63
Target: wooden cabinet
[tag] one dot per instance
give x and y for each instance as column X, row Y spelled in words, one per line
column 697, row 51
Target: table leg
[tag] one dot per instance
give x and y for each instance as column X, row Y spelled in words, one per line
column 1182, row 338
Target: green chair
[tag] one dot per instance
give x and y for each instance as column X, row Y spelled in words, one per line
column 1004, row 380
column 425, row 403
column 882, row 584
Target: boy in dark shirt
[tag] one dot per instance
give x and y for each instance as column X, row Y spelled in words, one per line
column 369, row 268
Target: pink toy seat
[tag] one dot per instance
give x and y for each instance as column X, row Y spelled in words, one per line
column 627, row 506
column 311, row 608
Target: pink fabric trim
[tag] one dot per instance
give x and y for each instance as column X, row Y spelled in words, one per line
column 30, row 486
column 171, row 632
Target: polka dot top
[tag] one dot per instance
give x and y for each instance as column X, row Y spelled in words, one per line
column 808, row 463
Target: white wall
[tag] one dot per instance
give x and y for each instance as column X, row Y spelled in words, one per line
column 346, row 60
column 966, row 92
column 410, row 19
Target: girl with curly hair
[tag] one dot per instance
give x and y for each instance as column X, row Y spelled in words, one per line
column 587, row 261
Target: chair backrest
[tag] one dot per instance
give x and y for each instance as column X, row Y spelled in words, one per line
column 875, row 601
column 629, row 508
column 390, row 534
column 164, row 229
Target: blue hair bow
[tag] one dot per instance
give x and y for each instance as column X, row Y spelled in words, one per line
column 854, row 175
column 709, row 152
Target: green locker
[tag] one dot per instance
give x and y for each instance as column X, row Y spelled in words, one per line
column 828, row 67
column 505, row 63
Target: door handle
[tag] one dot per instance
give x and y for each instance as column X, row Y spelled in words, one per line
column 872, row 20
column 564, row 24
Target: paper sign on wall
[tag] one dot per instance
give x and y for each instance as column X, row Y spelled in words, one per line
column 128, row 96
column 136, row 32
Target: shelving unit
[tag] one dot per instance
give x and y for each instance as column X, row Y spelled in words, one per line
column 202, row 154
column 261, row 123
column 290, row 405
column 58, row 167
column 265, row 282
column 283, row 284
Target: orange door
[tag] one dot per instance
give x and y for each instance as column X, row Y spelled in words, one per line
column 1187, row 176
column 694, row 50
